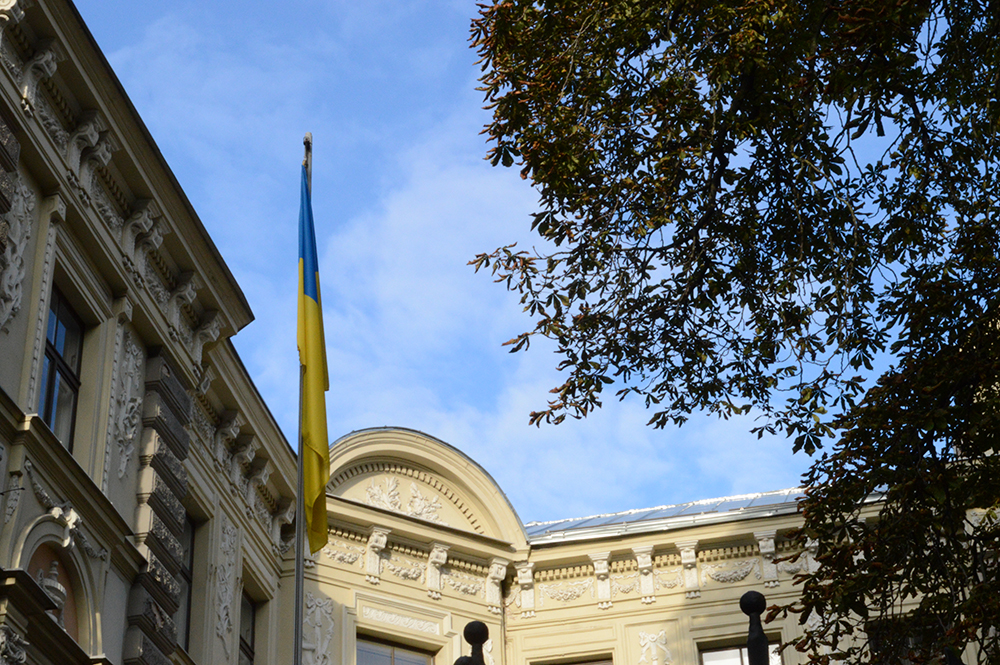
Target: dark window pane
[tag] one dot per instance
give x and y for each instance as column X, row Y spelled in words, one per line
column 370, row 653
column 44, row 403
column 246, row 621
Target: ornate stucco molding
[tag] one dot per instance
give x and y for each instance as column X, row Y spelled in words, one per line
column 603, row 576
column 526, row 582
column 435, row 562
column 647, row 581
column 18, row 223
column 768, row 551
column 40, row 66
column 317, row 631
column 226, row 582
column 653, row 649
column 378, row 538
column 494, row 584
column 689, row 562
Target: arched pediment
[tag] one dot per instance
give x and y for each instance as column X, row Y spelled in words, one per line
column 413, row 474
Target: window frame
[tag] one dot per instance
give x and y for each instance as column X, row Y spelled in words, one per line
column 56, row 369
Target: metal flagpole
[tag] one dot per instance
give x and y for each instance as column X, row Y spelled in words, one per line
column 300, row 510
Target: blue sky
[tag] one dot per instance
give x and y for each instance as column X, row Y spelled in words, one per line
column 403, row 200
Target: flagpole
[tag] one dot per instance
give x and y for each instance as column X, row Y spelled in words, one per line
column 300, row 518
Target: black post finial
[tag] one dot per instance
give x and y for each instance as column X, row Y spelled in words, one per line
column 753, row 605
column 476, row 633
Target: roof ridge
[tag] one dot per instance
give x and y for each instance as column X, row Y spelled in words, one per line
column 698, row 502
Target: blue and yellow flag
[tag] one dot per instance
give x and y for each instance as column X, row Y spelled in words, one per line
column 315, row 379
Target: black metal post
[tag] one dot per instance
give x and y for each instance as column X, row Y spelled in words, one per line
column 753, row 605
column 476, row 634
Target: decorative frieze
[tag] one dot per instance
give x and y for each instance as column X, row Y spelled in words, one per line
column 565, row 592
column 225, row 434
column 401, row 620
column 343, row 552
column 730, row 573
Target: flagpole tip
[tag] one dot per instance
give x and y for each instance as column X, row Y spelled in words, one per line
column 308, row 140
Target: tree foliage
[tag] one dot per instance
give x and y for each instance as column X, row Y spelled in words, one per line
column 791, row 209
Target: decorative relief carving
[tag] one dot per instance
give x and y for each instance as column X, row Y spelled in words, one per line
column 85, row 136
column 730, row 573
column 669, row 580
column 421, row 506
column 202, row 425
column 106, row 209
column 40, row 66
column 47, row 117
column 387, row 498
column 12, row 496
column 412, row 623
column 343, row 552
column 154, row 284
column 464, row 584
column 565, row 592
column 405, row 570
column 12, row 646
column 317, row 630
column 12, row 270
column 128, row 401
column 654, row 648
column 225, row 583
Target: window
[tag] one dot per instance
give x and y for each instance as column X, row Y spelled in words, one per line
column 182, row 618
column 61, row 369
column 376, row 653
column 248, row 617
column 735, row 656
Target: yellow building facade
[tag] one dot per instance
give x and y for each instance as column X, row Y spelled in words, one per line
column 147, row 495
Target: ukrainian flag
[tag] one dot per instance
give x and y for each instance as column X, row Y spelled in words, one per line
column 315, row 379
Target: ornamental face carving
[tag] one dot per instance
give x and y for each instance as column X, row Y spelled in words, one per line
column 18, row 223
